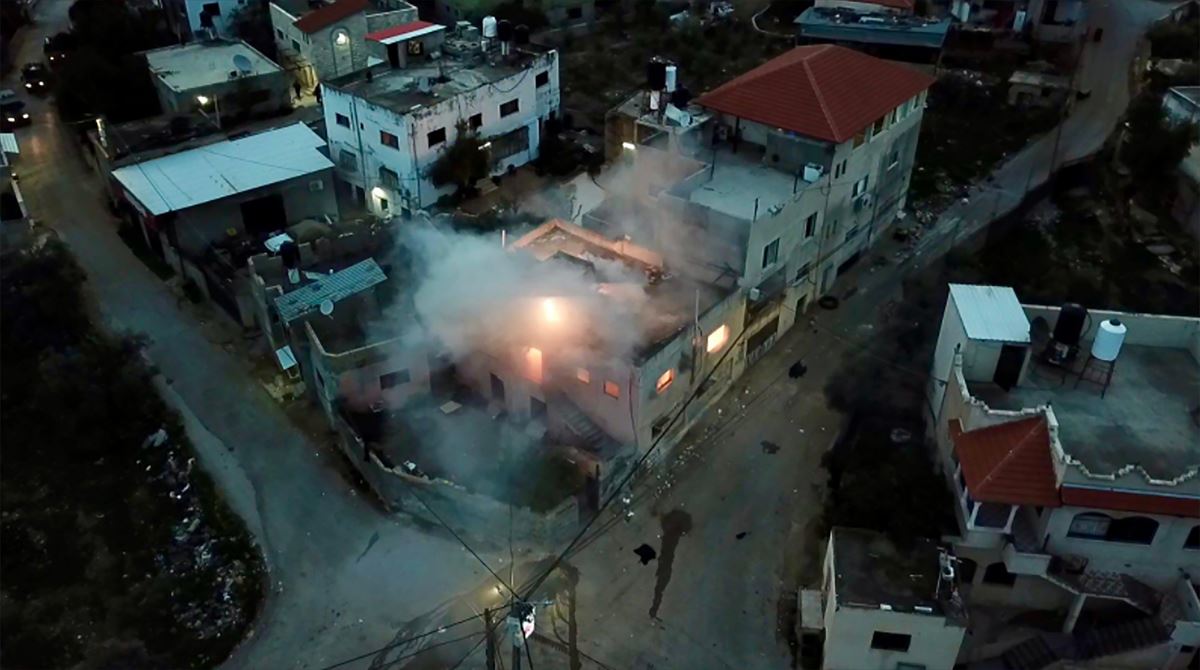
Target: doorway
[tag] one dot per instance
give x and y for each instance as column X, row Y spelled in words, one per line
column 263, row 216
column 1008, row 368
column 497, row 389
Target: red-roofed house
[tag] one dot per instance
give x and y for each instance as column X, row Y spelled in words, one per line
column 1073, row 494
column 319, row 40
column 791, row 170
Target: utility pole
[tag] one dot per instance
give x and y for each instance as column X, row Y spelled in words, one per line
column 491, row 639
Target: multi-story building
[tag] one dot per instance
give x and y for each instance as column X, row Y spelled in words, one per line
column 885, row 28
column 388, row 124
column 881, row 608
column 1069, row 438
column 319, row 40
column 783, row 176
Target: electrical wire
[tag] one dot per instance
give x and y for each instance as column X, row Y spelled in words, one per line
column 405, row 657
column 635, row 468
column 400, row 643
column 440, row 520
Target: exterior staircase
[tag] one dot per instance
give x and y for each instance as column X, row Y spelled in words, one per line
column 1108, row 585
column 1049, row 648
column 587, row 435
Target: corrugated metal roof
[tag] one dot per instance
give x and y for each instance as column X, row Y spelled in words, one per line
column 991, row 313
column 216, row 171
column 337, row 286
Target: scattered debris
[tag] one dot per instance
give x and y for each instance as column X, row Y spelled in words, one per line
column 646, row 553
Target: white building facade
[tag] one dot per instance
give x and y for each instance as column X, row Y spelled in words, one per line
column 384, row 144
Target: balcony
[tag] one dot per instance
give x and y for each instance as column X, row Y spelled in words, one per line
column 1023, row 553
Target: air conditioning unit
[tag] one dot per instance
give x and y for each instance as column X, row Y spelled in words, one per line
column 754, row 294
column 316, row 185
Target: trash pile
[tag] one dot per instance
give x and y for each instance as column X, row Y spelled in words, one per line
column 211, row 584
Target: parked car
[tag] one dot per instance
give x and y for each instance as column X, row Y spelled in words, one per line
column 36, row 77
column 56, row 47
column 12, row 111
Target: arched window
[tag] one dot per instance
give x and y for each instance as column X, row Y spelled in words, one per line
column 1090, row 525
column 1193, row 539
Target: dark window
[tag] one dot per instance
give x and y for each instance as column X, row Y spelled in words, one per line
column 342, row 120
column 537, row 408
column 211, row 8
column 1186, row 649
column 279, row 33
column 770, row 253
column 1193, row 539
column 575, row 12
column 436, row 137
column 810, row 225
column 878, row 127
column 890, row 641
column 997, row 574
column 966, row 571
column 389, row 178
column 389, row 140
column 509, row 108
column 542, row 79
column 383, row 204
column 1132, row 529
column 802, row 273
column 394, row 379
column 475, row 122
column 295, row 45
column 348, row 160
column 510, row 143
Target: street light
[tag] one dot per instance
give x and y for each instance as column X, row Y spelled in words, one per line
column 629, row 146
column 203, row 100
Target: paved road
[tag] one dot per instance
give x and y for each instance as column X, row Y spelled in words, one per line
column 345, row 575
column 347, row 578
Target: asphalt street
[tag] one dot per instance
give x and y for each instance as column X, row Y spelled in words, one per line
column 727, row 525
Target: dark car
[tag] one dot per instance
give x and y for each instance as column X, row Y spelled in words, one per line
column 57, row 47
column 35, row 77
column 12, row 111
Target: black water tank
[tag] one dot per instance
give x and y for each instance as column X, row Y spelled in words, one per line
column 1069, row 327
column 290, row 254
column 504, row 30
column 656, row 75
column 521, row 34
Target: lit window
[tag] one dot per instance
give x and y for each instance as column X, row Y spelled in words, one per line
column 717, row 339
column 611, row 389
column 664, row 381
column 533, row 363
column 583, row 375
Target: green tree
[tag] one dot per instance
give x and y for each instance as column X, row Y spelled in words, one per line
column 1154, row 146
column 463, row 163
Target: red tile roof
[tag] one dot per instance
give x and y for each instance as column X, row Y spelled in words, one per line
column 1008, row 463
column 329, row 15
column 402, row 29
column 823, row 91
column 1128, row 501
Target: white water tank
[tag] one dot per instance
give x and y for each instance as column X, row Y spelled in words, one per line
column 1109, row 338
column 489, row 27
column 672, row 78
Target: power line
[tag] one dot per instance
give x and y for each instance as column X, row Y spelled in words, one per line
column 440, row 520
column 399, row 643
column 405, row 657
column 636, row 467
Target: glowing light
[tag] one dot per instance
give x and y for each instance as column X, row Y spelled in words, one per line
column 533, row 360
column 717, row 339
column 202, row 99
column 629, row 146
column 485, row 146
column 550, row 311
column 379, row 192
column 342, row 39
column 583, row 375
column 664, row 381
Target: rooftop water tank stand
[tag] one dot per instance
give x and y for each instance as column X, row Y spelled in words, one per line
column 1103, row 357
column 1101, row 373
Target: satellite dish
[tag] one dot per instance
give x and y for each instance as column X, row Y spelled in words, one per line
column 327, row 307
column 243, row 64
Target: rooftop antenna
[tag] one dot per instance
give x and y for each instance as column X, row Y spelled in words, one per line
column 326, row 307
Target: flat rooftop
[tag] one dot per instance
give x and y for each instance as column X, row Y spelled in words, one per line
column 429, row 83
column 872, row 573
column 739, row 180
column 202, row 64
column 874, row 27
column 1146, row 416
column 144, row 139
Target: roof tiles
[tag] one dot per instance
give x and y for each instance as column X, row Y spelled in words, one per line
column 1008, row 463
column 824, row 91
column 1122, row 501
column 329, row 15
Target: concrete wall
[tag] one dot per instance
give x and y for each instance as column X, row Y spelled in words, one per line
column 189, row 11
column 848, row 632
column 317, row 56
column 1159, row 564
column 200, row 226
column 414, row 155
column 228, row 94
column 1151, row 330
column 394, row 17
